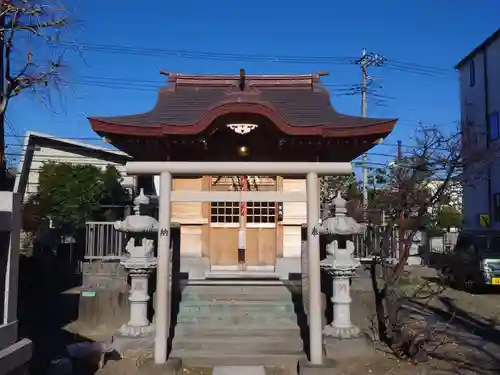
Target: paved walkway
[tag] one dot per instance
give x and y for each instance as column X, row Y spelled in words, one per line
column 239, row 370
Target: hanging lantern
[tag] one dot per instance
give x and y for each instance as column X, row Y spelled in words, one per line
column 243, row 151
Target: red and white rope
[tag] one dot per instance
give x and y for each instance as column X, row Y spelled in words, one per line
column 244, row 183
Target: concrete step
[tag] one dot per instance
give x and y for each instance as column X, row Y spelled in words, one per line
column 253, row 330
column 240, row 324
column 264, row 318
column 260, row 275
column 207, row 358
column 249, row 344
column 225, row 307
column 224, row 302
column 233, row 290
column 240, row 282
column 283, row 298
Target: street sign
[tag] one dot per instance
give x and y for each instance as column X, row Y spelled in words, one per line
column 484, row 220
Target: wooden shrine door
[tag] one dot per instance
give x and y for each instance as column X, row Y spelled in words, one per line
column 259, row 224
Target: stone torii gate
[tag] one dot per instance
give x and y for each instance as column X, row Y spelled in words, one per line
column 312, row 170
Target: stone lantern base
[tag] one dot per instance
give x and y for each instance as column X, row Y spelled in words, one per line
column 137, row 335
column 341, row 332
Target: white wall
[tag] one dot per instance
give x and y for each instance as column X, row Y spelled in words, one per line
column 474, row 127
column 51, row 154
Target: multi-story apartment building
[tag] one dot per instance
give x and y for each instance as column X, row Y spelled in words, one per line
column 479, row 75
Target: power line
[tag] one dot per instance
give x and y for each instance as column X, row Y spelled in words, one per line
column 201, row 55
column 395, row 65
column 147, row 86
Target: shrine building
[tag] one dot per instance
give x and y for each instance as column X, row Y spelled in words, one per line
column 247, row 118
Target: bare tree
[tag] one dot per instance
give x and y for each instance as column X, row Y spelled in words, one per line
column 28, row 26
column 29, row 31
column 406, row 196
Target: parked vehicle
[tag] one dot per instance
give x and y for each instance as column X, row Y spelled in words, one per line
column 474, row 263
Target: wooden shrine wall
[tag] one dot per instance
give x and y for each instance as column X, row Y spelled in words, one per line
column 194, row 217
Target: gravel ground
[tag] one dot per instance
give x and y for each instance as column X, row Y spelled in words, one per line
column 466, row 331
column 468, row 341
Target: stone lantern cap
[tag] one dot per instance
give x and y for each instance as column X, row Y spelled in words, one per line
column 340, row 224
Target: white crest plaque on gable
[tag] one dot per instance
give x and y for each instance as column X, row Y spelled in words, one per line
column 242, row 128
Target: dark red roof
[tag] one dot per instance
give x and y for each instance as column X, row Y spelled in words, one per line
column 296, row 104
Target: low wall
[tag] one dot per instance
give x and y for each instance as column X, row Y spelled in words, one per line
column 105, row 288
column 104, row 294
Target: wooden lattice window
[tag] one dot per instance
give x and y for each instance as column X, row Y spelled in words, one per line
column 225, row 212
column 261, row 212
column 256, row 212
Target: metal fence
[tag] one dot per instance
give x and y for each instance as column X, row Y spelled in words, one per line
column 370, row 242
column 103, row 241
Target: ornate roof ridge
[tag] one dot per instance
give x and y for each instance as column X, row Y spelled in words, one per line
column 217, row 80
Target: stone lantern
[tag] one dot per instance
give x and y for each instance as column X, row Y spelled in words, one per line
column 341, row 265
column 139, row 262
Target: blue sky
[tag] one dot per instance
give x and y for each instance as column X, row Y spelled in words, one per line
column 436, row 34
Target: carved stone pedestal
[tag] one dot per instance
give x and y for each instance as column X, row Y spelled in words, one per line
column 341, row 327
column 138, row 325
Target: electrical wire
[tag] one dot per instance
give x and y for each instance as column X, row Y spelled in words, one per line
column 395, row 65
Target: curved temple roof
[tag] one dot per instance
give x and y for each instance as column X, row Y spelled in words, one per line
column 296, row 104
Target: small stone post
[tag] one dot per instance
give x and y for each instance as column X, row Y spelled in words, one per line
column 341, row 265
column 139, row 261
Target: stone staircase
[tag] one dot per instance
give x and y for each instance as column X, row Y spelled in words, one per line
column 237, row 323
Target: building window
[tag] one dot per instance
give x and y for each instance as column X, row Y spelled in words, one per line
column 494, row 126
column 472, row 73
column 261, row 212
column 225, row 212
column 229, row 212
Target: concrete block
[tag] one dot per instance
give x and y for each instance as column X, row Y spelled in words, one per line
column 172, row 367
column 287, row 266
column 195, row 267
column 327, row 368
column 103, row 307
column 133, row 346
column 357, row 347
column 14, row 358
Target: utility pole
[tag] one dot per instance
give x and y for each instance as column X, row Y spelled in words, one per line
column 364, row 84
column 401, row 231
column 3, row 172
column 367, row 60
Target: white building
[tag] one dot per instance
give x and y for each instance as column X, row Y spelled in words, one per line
column 40, row 148
column 453, row 193
column 480, row 105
